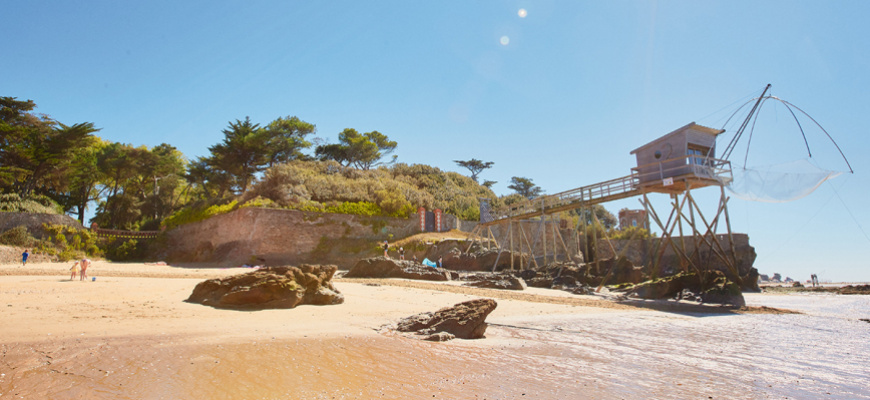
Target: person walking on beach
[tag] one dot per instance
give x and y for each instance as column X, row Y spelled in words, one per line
column 386, row 248
column 401, row 253
column 24, row 258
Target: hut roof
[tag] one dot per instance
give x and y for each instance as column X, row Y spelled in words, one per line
column 691, row 125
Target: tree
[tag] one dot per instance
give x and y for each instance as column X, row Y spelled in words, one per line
column 35, row 149
column 242, row 153
column 606, row 218
column 285, row 139
column 475, row 166
column 362, row 151
column 525, row 187
column 488, row 184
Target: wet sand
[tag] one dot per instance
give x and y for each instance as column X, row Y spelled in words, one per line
column 130, row 335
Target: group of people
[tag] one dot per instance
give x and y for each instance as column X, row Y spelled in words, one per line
column 386, row 247
column 80, row 267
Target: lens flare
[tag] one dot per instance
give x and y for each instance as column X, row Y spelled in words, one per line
column 504, row 40
column 522, row 13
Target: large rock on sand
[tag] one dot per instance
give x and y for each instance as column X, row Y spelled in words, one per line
column 271, row 287
column 382, row 267
column 466, row 320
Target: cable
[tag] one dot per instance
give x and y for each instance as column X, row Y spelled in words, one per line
column 850, row 213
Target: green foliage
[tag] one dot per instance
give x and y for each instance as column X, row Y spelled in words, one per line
column 525, row 187
column 67, row 243
column 38, row 204
column 197, row 213
column 360, row 150
column 397, row 191
column 632, row 232
column 119, row 249
column 476, row 166
column 17, row 236
column 356, row 208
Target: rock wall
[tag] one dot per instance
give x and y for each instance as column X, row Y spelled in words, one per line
column 34, row 221
column 280, row 237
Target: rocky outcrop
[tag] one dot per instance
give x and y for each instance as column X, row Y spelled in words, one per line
column 496, row 281
column 466, row 320
column 382, row 267
column 716, row 288
column 271, row 287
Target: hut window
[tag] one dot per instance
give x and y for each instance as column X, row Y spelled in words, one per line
column 697, row 154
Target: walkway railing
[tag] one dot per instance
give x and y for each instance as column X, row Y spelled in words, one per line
column 687, row 167
column 113, row 233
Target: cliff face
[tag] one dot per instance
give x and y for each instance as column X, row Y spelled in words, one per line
column 280, row 237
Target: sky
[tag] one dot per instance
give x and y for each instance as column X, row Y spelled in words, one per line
column 556, row 91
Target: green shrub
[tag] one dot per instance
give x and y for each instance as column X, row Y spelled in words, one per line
column 397, row 190
column 67, row 243
column 118, row 249
column 38, row 204
column 631, row 232
column 17, row 236
column 197, row 213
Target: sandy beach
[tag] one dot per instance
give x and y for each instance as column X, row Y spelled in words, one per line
column 130, row 335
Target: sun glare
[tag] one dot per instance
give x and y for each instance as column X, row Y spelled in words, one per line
column 522, row 13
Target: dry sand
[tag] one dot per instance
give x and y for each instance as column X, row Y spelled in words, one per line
column 130, row 335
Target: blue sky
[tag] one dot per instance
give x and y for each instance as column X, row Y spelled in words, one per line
column 576, row 87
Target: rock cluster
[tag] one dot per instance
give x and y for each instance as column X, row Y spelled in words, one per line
column 382, row 267
column 466, row 320
column 715, row 288
column 271, row 287
column 496, row 281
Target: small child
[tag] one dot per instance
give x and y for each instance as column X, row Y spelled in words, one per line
column 73, row 270
column 24, row 258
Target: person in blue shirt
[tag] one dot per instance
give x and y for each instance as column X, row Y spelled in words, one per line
column 24, row 257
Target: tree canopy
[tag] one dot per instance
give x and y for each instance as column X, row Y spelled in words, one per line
column 475, row 166
column 525, row 187
column 360, row 150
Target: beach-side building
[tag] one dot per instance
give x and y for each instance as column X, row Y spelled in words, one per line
column 684, row 156
column 633, row 218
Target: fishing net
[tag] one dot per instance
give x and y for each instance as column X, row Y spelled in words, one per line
column 778, row 183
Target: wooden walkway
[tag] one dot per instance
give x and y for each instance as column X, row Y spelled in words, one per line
column 644, row 179
column 113, row 233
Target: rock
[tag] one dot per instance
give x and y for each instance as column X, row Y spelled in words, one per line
column 440, row 337
column 528, row 274
column 540, row 282
column 501, row 281
column 382, row 267
column 271, row 287
column 663, row 288
column 621, row 270
column 466, row 320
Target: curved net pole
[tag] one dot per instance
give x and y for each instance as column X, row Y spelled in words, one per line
column 733, row 141
column 851, row 171
column 798, row 122
column 742, row 127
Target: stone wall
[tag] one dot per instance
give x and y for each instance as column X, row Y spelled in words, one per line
column 280, row 237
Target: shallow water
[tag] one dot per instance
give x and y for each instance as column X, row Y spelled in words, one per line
column 822, row 353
